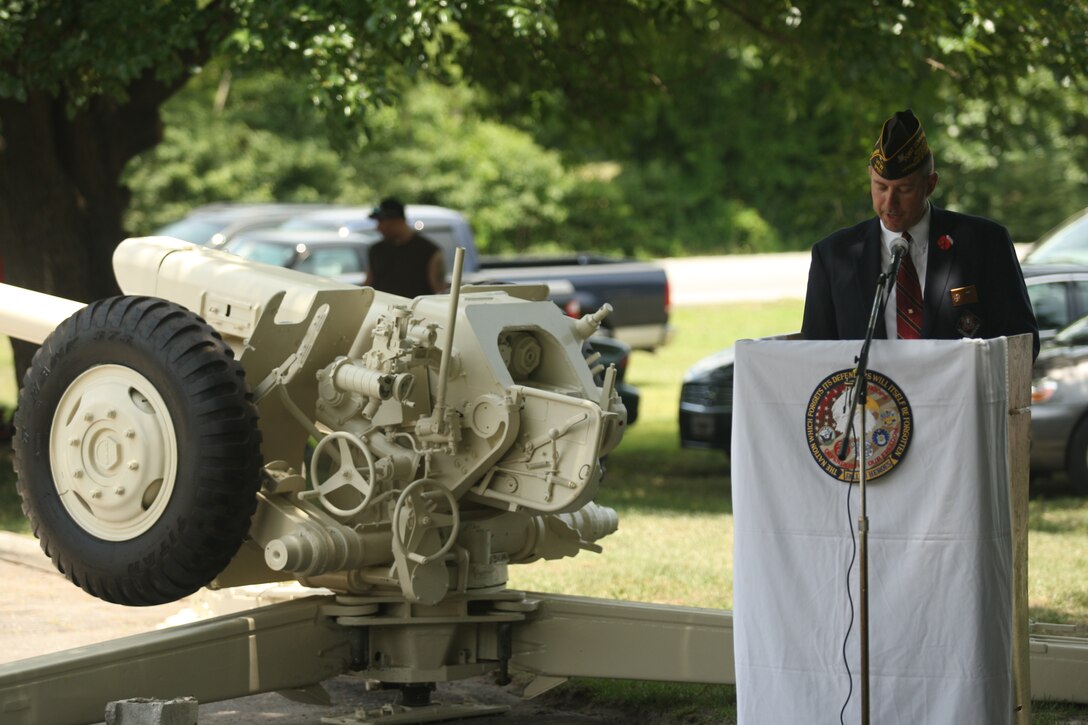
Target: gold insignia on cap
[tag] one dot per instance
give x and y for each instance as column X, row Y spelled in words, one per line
column 901, row 147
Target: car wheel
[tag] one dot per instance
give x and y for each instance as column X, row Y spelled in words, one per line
column 1076, row 459
column 137, row 450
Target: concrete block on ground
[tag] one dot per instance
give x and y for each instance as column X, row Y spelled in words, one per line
column 147, row 711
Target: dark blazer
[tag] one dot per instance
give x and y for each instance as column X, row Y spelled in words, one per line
column 974, row 288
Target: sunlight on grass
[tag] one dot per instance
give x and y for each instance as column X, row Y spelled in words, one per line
column 662, row 558
column 1058, row 560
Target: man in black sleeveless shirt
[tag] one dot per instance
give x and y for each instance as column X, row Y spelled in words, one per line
column 404, row 262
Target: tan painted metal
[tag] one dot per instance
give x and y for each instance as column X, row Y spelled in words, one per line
column 284, row 646
column 583, row 637
column 478, row 403
column 293, row 646
column 1059, row 663
column 31, row 316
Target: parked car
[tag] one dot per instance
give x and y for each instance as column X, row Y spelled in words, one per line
column 1058, row 292
column 706, row 403
column 216, row 224
column 1066, row 243
column 1059, row 406
column 324, row 253
column 445, row 227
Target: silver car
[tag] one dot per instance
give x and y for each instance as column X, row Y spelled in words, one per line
column 1059, row 406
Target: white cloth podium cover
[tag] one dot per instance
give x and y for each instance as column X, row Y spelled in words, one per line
column 939, row 541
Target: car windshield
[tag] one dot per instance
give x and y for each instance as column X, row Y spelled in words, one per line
column 342, row 225
column 1068, row 243
column 273, row 253
column 197, row 231
column 307, row 224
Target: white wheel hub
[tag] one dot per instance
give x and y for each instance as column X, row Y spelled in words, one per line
column 113, row 452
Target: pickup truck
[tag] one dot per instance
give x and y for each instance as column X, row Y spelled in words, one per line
column 580, row 284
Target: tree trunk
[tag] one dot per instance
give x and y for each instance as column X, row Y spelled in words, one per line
column 61, row 197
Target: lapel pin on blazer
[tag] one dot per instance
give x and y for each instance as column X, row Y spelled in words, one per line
column 944, row 243
column 968, row 325
column 964, row 295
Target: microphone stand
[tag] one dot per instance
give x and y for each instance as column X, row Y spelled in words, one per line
column 857, row 402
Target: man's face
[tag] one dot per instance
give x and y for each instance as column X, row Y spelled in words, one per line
column 901, row 203
column 394, row 229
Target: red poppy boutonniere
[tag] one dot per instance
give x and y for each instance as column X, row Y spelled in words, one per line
column 944, row 243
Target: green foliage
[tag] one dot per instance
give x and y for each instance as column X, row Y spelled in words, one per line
column 435, row 147
column 79, row 51
column 722, row 126
column 751, row 125
column 192, row 167
column 1029, row 174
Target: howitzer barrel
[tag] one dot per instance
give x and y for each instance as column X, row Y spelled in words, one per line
column 31, row 316
column 230, row 293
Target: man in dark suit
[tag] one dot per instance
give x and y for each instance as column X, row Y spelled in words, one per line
column 964, row 267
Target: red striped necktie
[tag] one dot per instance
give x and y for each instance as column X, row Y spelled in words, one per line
column 908, row 299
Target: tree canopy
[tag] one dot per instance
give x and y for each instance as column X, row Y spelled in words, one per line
column 753, row 104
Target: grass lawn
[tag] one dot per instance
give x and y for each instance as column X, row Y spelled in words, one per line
column 675, row 541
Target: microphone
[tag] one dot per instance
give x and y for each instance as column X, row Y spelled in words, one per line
column 899, row 248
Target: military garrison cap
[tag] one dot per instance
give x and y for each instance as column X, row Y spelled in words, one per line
column 901, row 147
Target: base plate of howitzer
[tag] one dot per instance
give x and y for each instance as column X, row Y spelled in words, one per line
column 227, row 423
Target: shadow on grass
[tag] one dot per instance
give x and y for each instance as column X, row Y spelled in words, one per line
column 1049, row 615
column 692, row 704
column 1065, row 515
column 1058, row 713
column 1055, row 485
column 677, row 481
column 705, row 704
column 11, row 511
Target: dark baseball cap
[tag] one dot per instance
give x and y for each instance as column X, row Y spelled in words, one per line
column 388, row 209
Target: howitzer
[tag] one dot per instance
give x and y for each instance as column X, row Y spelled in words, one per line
column 163, row 442
column 227, row 423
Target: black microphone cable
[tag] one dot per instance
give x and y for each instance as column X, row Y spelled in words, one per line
column 850, row 599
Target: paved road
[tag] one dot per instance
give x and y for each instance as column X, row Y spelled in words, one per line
column 739, row 278
column 743, row 278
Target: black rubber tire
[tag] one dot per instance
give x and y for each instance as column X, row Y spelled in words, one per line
column 1076, row 459
column 204, row 519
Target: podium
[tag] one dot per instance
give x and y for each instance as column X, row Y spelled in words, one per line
column 947, row 553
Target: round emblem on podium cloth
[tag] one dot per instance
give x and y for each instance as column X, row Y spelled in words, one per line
column 888, row 426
